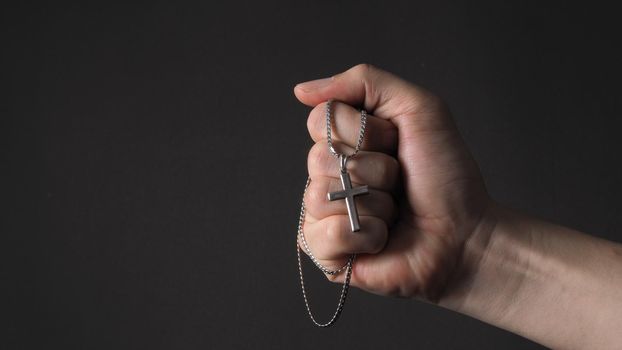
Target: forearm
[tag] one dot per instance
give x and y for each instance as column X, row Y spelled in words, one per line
column 551, row 284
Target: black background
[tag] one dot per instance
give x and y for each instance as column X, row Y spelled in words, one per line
column 153, row 158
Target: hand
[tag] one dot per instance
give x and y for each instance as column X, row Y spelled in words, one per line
column 430, row 230
column 426, row 199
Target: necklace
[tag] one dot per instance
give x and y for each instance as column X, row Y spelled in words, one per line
column 348, row 194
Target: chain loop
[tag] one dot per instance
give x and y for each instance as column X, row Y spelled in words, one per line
column 347, row 267
column 343, row 160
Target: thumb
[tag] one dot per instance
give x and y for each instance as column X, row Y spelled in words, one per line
column 379, row 92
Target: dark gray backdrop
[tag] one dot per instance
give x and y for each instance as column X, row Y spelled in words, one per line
column 154, row 158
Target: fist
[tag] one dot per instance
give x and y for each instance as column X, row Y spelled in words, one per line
column 426, row 196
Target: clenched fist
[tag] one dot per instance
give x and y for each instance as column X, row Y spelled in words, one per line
column 426, row 193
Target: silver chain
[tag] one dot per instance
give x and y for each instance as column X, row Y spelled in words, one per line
column 343, row 158
column 329, row 132
column 347, row 266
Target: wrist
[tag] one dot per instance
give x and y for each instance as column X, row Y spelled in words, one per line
column 490, row 269
column 546, row 282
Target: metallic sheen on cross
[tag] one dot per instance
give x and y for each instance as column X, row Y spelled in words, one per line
column 348, row 194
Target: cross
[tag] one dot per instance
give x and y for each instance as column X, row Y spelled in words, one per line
column 348, row 194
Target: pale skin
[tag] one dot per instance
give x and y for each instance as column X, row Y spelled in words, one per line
column 429, row 229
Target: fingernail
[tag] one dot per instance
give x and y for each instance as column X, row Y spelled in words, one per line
column 314, row 85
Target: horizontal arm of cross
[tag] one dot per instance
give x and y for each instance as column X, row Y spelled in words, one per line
column 357, row 191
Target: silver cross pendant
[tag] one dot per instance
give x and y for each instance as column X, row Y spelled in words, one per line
column 348, row 194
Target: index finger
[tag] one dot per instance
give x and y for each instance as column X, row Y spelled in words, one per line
column 379, row 92
column 380, row 134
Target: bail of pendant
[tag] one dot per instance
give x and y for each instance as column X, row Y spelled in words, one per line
column 343, row 161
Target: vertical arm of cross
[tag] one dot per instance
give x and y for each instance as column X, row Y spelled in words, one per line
column 348, row 194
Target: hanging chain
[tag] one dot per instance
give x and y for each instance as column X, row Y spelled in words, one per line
column 347, row 266
column 343, row 158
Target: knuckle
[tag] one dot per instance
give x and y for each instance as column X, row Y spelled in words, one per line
column 334, row 232
column 392, row 167
column 386, row 167
column 360, row 71
column 316, row 199
column 318, row 159
column 316, row 156
column 376, row 245
column 363, row 69
column 380, row 169
column 315, row 120
column 380, row 243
